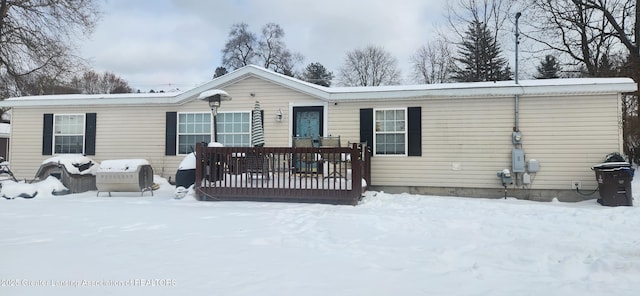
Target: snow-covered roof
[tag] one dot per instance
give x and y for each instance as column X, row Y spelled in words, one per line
column 337, row 94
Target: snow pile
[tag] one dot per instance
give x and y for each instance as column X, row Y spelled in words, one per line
column 390, row 244
column 46, row 188
column 74, row 163
column 122, row 165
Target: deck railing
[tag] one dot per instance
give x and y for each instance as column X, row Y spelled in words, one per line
column 336, row 175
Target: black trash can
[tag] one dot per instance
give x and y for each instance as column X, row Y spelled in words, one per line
column 614, row 183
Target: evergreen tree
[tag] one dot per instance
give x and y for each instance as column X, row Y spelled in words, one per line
column 480, row 57
column 549, row 68
column 220, row 71
column 316, row 73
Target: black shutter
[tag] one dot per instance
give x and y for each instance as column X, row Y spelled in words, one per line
column 171, row 133
column 47, row 135
column 366, row 127
column 414, row 129
column 90, row 134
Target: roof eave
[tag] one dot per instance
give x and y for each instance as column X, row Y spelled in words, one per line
column 87, row 102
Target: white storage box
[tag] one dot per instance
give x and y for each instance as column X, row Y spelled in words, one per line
column 124, row 175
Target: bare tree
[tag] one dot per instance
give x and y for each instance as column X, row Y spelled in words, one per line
column 370, row 66
column 92, row 82
column 37, row 38
column 623, row 17
column 433, row 63
column 575, row 30
column 273, row 51
column 38, row 84
column 240, row 49
column 494, row 14
column 244, row 48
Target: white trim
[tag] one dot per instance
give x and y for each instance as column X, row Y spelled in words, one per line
column 53, row 131
column 250, row 113
column 337, row 94
column 406, row 132
column 178, row 129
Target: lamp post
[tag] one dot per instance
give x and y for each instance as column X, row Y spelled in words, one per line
column 214, row 97
column 517, row 43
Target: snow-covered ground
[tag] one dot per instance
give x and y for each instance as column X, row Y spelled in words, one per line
column 397, row 244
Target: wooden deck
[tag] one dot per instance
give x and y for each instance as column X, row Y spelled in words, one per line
column 337, row 175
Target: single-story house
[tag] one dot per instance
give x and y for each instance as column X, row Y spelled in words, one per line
column 445, row 139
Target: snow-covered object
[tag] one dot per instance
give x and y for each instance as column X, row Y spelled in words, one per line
column 51, row 185
column 121, row 165
column 11, row 190
column 75, row 164
column 188, row 163
column 224, row 96
column 181, row 192
column 48, row 187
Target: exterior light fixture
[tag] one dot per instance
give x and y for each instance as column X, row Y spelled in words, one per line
column 279, row 115
column 215, row 98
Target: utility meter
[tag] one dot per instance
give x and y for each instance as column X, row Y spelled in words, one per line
column 517, row 138
column 505, row 177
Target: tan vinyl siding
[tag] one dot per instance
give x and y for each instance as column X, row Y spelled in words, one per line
column 271, row 97
column 120, row 133
column 466, row 141
column 139, row 131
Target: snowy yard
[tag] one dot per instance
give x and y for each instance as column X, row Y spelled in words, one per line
column 388, row 245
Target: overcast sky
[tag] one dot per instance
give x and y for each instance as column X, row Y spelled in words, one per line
column 168, row 44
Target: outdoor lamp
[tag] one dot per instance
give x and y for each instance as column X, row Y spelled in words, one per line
column 279, row 115
column 215, row 98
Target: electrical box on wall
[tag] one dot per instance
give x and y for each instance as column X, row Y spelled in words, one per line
column 517, row 161
column 534, row 166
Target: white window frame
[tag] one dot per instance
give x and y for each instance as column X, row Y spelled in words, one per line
column 248, row 133
column 376, row 132
column 178, row 133
column 56, row 135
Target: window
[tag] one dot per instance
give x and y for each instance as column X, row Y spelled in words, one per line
column 68, row 134
column 390, row 132
column 193, row 128
column 233, row 128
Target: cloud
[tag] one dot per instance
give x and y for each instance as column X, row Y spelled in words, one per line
column 144, row 41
